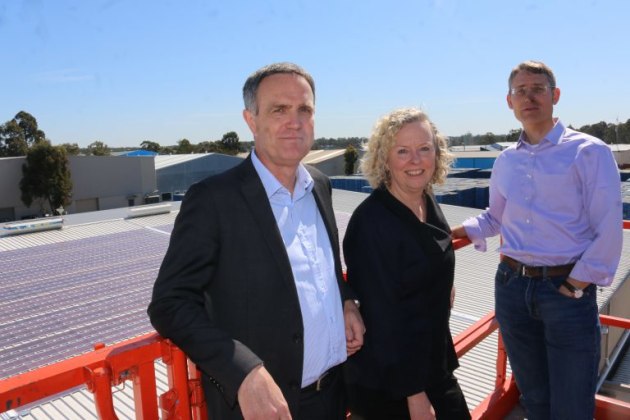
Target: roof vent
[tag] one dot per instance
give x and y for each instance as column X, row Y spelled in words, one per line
column 149, row 210
column 33, row 225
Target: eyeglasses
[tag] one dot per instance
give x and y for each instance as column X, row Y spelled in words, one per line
column 534, row 90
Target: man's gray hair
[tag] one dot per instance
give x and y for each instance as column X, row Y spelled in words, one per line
column 250, row 88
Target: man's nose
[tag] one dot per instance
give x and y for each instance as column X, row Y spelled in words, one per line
column 294, row 120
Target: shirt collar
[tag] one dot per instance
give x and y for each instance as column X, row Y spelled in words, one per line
column 553, row 136
column 303, row 183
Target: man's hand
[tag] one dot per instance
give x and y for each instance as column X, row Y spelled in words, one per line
column 420, row 407
column 260, row 397
column 354, row 327
column 576, row 283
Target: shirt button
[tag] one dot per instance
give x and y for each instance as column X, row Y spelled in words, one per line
column 527, row 221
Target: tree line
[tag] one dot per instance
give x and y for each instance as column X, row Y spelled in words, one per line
column 46, row 177
column 610, row 133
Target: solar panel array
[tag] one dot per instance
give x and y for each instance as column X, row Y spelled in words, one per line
column 58, row 300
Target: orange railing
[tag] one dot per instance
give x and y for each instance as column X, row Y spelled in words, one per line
column 134, row 360
column 99, row 370
column 505, row 395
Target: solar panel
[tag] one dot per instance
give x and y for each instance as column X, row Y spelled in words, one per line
column 59, row 299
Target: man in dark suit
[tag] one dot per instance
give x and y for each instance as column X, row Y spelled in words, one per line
column 250, row 287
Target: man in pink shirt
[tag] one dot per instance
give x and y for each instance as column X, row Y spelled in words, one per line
column 555, row 198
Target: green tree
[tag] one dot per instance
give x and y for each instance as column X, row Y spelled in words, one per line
column 488, row 138
column 602, row 130
column 98, row 148
column 338, row 143
column 350, row 157
column 184, row 147
column 150, row 146
column 623, row 133
column 46, row 176
column 230, row 142
column 18, row 134
column 72, row 149
column 208, row 147
column 513, row 135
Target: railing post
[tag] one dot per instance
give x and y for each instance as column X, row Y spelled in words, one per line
column 197, row 397
column 501, row 362
column 176, row 402
column 99, row 382
column 145, row 391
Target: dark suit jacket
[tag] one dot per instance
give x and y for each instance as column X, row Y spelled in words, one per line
column 225, row 292
column 402, row 272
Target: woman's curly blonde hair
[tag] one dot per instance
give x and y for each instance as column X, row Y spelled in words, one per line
column 374, row 163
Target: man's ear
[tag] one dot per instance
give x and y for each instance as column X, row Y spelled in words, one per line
column 556, row 95
column 250, row 120
column 509, row 101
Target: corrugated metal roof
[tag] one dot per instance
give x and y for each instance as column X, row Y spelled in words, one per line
column 164, row 161
column 316, row 156
column 473, row 281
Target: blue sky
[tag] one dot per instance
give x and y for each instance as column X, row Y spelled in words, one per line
column 123, row 72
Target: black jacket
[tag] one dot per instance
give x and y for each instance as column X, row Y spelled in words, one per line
column 225, row 293
column 402, row 272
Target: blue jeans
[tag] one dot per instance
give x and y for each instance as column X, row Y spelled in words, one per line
column 552, row 342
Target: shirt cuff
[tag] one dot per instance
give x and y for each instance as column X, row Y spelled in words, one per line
column 473, row 231
column 589, row 274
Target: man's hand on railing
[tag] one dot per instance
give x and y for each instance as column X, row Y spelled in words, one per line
column 260, row 397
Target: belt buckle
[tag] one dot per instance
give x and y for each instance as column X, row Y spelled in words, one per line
column 318, row 384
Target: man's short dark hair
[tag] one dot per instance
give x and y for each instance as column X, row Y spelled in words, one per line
column 535, row 67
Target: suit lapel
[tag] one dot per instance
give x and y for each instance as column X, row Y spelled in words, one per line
column 324, row 205
column 256, row 199
column 322, row 195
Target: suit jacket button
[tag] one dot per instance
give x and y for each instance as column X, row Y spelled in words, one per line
column 297, row 338
column 295, row 386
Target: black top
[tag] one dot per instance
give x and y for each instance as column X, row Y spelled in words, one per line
column 402, row 272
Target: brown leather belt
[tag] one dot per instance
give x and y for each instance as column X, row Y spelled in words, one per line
column 539, row 271
column 323, row 381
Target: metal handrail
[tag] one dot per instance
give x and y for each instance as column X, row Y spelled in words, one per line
column 110, row 366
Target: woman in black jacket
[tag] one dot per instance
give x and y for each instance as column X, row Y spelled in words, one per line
column 400, row 262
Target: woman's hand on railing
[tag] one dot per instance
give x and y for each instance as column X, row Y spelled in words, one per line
column 460, row 238
column 458, row 232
